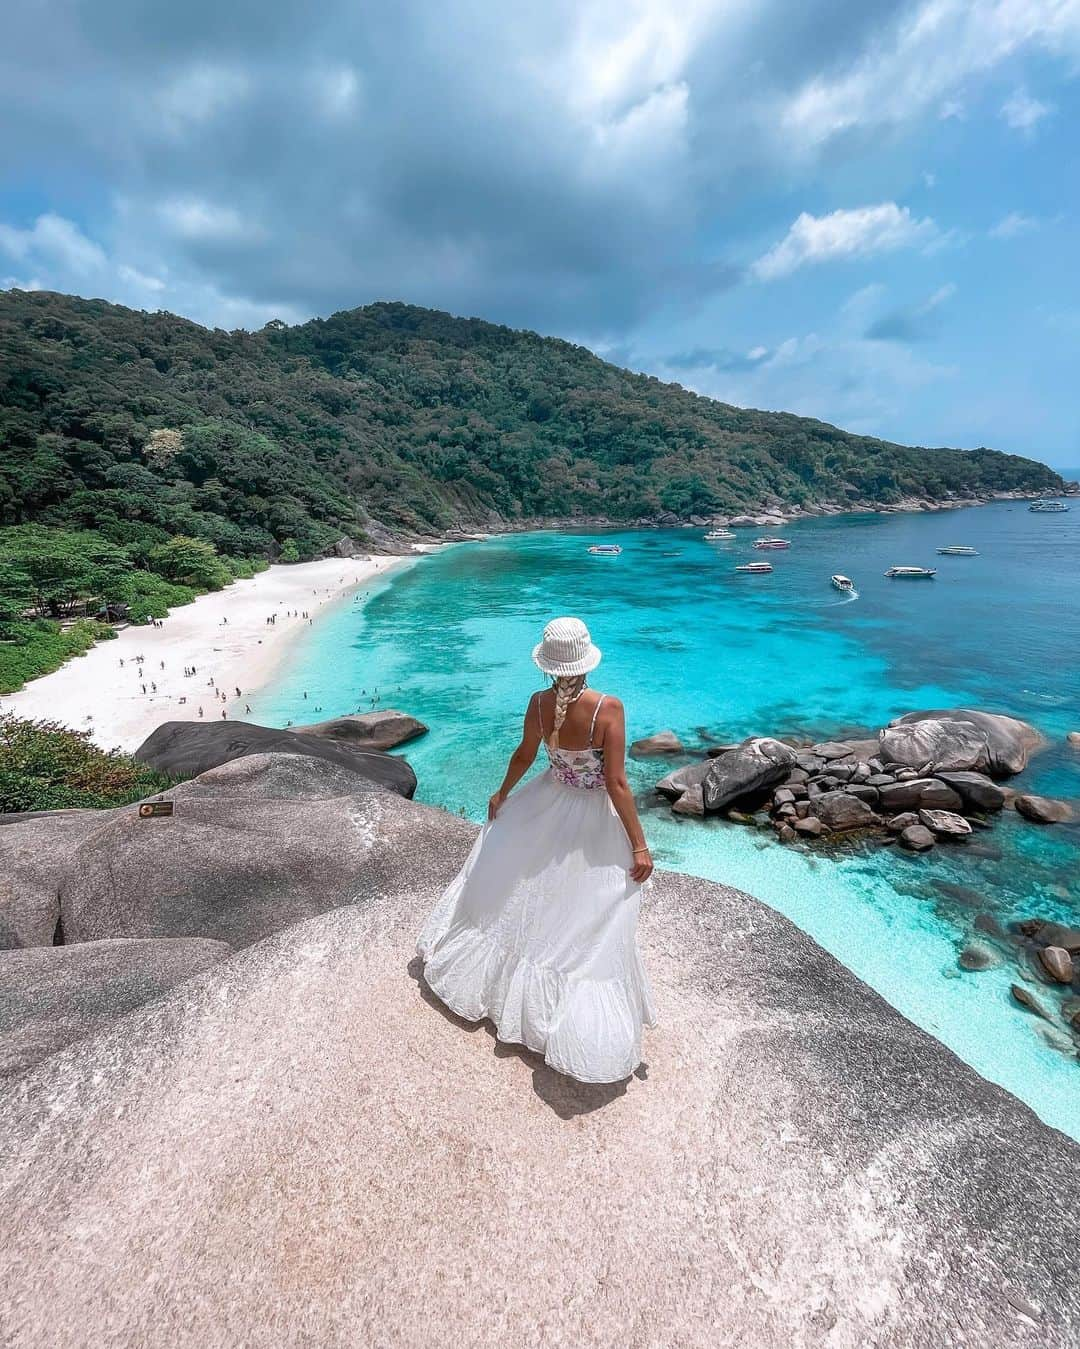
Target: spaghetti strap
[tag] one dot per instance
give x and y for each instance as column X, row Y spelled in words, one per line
column 592, row 724
column 539, row 717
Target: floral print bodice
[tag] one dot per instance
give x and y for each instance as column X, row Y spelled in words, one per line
column 580, row 768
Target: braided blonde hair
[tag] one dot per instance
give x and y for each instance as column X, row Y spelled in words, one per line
column 568, row 689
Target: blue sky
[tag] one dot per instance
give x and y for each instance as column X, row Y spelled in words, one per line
column 865, row 212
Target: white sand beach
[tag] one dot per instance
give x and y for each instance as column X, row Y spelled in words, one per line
column 224, row 636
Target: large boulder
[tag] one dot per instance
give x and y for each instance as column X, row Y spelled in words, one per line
column 663, row 742
column 1009, row 741
column 290, row 1147
column 755, row 766
column 940, row 744
column 53, row 995
column 253, row 846
column 1042, row 809
column 184, row 749
column 976, row 790
column 367, row 730
column 918, row 794
column 841, row 810
column 35, row 854
column 682, row 779
column 945, row 823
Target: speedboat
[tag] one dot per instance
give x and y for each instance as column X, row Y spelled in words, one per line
column 911, row 573
column 958, row 550
column 772, row 543
column 1048, row 507
column 714, row 535
column 605, row 549
column 755, row 568
column 844, row 583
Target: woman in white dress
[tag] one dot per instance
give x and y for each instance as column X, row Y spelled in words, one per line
column 537, row 931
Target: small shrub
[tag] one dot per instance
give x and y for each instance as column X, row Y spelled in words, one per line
column 46, row 766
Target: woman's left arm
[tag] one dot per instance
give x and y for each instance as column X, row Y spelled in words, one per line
column 522, row 758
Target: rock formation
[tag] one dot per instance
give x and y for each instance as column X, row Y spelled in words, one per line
column 923, row 778
column 367, row 730
column 184, row 749
column 299, row 1144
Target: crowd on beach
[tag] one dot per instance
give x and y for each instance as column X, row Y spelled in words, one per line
column 147, row 678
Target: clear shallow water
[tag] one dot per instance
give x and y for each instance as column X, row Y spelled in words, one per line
column 690, row 645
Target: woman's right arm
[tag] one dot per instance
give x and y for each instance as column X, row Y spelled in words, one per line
column 622, row 798
column 522, row 758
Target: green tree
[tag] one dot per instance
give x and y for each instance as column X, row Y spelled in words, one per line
column 190, row 562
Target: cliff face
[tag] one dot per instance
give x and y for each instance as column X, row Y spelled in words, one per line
column 299, row 1144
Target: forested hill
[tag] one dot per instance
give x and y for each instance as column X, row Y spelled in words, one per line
column 145, row 426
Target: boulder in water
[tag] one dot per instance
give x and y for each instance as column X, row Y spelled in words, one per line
column 53, row 995
column 841, row 811
column 1026, row 998
column 1073, row 739
column 916, row 838
column 942, row 744
column 1042, row 809
column 682, row 779
column 810, row 827
column 755, row 766
column 945, row 823
column 691, row 802
column 184, row 749
column 1009, row 741
column 976, row 790
column 1057, row 962
column 979, row 956
column 920, row 794
column 662, row 742
column 367, row 730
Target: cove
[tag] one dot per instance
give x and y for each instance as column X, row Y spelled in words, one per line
column 689, row 644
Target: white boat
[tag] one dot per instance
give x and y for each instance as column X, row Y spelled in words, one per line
column 1048, row 507
column 844, row 583
column 911, row 573
column 958, row 550
column 755, row 568
column 716, row 534
column 772, row 543
column 605, row 549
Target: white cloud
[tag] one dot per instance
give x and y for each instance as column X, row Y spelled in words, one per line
column 1008, row 227
column 861, row 232
column 925, row 61
column 199, row 94
column 756, row 353
column 191, row 218
column 54, row 240
column 55, row 254
column 1024, row 113
column 929, row 179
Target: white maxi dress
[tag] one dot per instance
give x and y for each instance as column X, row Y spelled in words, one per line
column 537, row 931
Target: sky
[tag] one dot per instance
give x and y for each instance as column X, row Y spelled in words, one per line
column 856, row 210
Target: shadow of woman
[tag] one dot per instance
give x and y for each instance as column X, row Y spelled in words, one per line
column 564, row 1095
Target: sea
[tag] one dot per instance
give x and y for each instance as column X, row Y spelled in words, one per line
column 693, row 646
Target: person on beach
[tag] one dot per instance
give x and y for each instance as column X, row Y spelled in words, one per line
column 537, row 932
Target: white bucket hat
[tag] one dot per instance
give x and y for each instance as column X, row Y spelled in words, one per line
column 567, row 648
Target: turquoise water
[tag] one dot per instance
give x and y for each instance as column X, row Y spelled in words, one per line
column 690, row 645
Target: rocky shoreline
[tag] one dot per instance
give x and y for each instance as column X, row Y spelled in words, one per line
column 772, row 513
column 928, row 777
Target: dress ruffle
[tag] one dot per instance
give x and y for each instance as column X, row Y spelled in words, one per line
column 537, row 934
column 589, row 1029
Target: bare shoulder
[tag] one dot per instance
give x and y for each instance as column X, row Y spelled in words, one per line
column 611, row 709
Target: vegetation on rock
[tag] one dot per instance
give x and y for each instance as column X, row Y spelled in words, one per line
column 45, row 766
